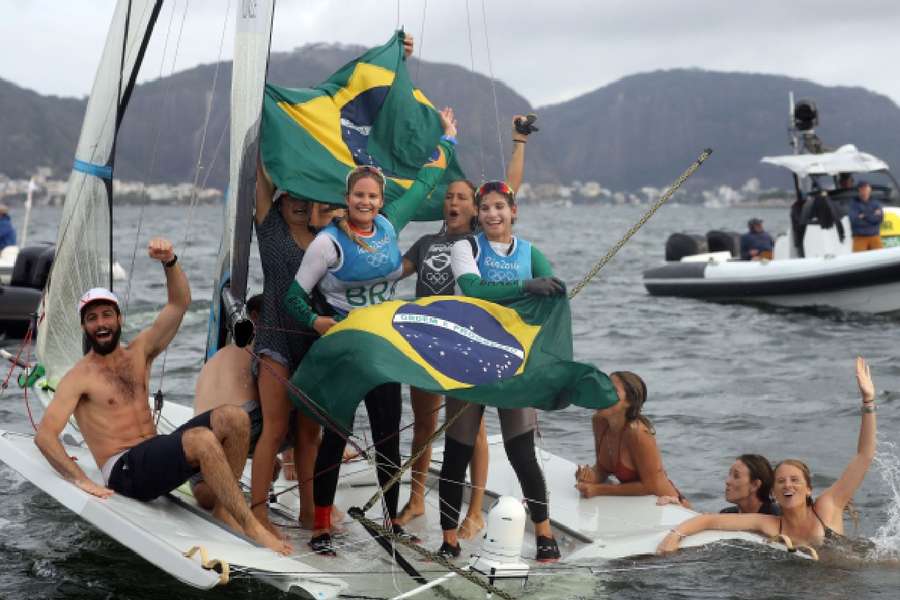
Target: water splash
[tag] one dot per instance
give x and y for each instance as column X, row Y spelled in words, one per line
column 887, row 537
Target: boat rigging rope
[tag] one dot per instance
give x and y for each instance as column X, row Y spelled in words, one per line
column 434, row 557
column 644, row 218
column 155, row 152
column 474, row 80
column 789, row 544
column 219, row 566
column 413, row 458
column 421, row 40
column 487, row 45
column 198, row 168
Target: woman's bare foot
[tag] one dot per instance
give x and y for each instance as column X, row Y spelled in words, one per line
column 470, row 527
column 261, row 513
column 261, row 534
column 409, row 512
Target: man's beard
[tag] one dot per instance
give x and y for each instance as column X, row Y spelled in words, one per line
column 103, row 348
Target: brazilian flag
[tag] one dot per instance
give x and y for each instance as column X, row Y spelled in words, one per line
column 368, row 113
column 509, row 356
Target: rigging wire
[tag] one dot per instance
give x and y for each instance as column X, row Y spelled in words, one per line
column 474, row 81
column 487, row 45
column 421, row 38
column 153, row 156
column 644, row 218
column 198, row 169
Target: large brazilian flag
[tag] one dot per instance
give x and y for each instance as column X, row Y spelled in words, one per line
column 509, row 356
column 368, row 113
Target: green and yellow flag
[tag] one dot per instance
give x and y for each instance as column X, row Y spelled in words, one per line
column 368, row 113
column 506, row 356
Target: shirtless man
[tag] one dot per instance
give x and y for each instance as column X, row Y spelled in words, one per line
column 227, row 378
column 107, row 391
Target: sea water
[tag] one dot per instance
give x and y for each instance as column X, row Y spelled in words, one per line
column 723, row 379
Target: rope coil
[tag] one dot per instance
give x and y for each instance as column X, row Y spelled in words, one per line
column 219, row 566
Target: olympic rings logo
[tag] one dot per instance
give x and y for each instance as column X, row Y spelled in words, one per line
column 496, row 276
column 377, row 259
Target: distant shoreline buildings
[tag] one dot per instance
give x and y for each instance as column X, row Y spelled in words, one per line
column 52, row 192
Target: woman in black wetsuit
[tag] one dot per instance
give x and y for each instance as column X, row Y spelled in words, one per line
column 804, row 520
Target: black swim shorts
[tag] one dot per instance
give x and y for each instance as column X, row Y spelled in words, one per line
column 155, row 466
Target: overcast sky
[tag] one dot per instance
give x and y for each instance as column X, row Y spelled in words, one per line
column 548, row 51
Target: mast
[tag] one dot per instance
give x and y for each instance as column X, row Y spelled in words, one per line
column 253, row 33
column 84, row 241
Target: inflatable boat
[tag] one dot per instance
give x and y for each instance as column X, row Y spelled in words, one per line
column 813, row 264
column 19, row 298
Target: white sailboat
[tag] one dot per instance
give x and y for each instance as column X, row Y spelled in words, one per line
column 171, row 532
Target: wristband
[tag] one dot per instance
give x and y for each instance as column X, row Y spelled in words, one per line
column 171, row 263
column 519, row 142
column 678, row 533
column 867, row 408
column 449, row 138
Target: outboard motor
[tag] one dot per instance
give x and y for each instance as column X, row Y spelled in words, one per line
column 500, row 556
column 724, row 241
column 680, row 245
column 24, row 268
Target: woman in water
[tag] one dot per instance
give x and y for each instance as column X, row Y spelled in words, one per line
column 429, row 258
column 285, row 227
column 625, row 445
column 803, row 520
column 357, row 263
column 748, row 486
column 497, row 266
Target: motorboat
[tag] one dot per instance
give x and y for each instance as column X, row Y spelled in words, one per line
column 813, row 264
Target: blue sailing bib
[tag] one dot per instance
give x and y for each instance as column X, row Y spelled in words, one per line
column 503, row 269
column 363, row 278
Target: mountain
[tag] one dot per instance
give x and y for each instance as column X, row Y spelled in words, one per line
column 36, row 130
column 641, row 130
column 645, row 129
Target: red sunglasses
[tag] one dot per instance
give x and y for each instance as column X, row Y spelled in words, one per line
column 500, row 187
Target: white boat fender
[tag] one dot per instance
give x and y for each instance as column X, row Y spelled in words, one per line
column 219, row 566
column 500, row 555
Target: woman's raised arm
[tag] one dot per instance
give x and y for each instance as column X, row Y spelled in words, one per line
column 841, row 492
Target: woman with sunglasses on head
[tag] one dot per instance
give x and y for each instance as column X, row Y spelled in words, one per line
column 804, row 521
column 429, row 259
column 285, row 227
column 497, row 266
column 355, row 263
column 625, row 445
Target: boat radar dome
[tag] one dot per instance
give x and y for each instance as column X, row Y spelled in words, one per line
column 806, row 116
column 500, row 556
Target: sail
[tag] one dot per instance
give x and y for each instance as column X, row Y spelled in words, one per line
column 84, row 242
column 248, row 77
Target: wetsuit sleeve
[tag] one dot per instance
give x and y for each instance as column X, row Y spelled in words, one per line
column 469, row 280
column 319, row 257
column 540, row 266
column 400, row 212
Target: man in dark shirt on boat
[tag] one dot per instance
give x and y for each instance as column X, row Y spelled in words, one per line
column 7, row 231
column 756, row 244
column 107, row 392
column 865, row 219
